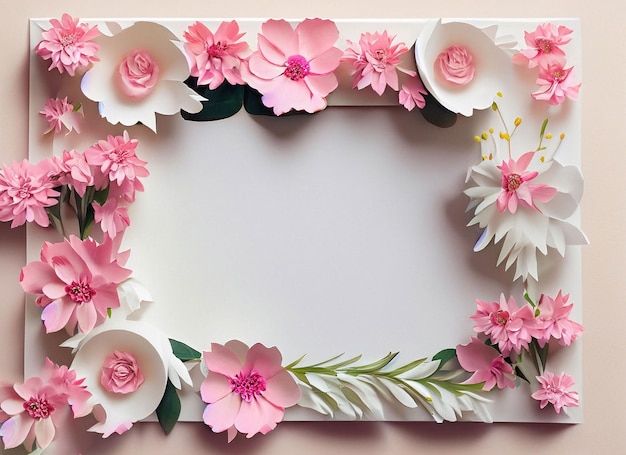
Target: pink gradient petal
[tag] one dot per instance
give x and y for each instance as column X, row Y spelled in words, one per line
column 271, row 52
column 214, row 388
column 316, row 36
column 475, row 355
column 56, row 315
column 87, row 317
column 264, row 68
column 280, row 33
column 15, row 430
column 282, row 390
column 256, row 415
column 266, row 361
column 222, row 360
column 44, row 432
column 222, row 414
column 325, row 63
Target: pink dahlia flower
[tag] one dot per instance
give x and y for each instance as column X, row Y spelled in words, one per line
column 76, row 281
column 412, row 93
column 555, row 83
column 113, row 218
column 544, row 45
column 516, row 188
column 68, row 44
column 247, row 389
column 61, row 115
column 215, row 57
column 71, row 169
column 486, row 363
column 555, row 390
column 293, row 69
column 554, row 322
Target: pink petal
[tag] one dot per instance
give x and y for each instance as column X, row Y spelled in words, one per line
column 222, row 414
column 263, row 68
column 271, row 52
column 475, row 355
column 222, row 360
column 87, row 317
column 282, row 390
column 13, row 406
column 56, row 315
column 214, row 388
column 267, row 361
column 280, row 34
column 15, row 430
column 326, row 62
column 34, row 275
column 322, row 86
column 316, row 37
column 44, row 432
column 257, row 415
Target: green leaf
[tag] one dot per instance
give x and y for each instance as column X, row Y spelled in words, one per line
column 544, row 125
column 407, row 367
column 374, row 366
column 223, row 102
column 168, row 410
column 109, row 312
column 436, row 114
column 184, row 352
column 444, row 357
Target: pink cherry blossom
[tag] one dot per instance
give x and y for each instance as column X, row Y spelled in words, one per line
column 516, row 188
column 76, row 281
column 553, row 321
column 68, row 44
column 113, row 218
column 61, row 115
column 505, row 323
column 247, row 389
column 138, row 74
column 293, row 69
column 215, row 57
column 71, row 169
column 121, row 373
column 544, row 45
column 412, row 93
column 555, row 83
column 456, row 65
column 555, row 390
column 486, row 363
column 375, row 61
column 25, row 191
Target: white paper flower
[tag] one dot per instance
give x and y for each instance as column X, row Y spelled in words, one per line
column 525, row 202
column 140, row 73
column 462, row 50
column 152, row 351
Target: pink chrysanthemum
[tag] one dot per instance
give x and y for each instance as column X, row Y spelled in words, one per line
column 412, row 93
column 544, row 45
column 215, row 57
column 555, row 83
column 71, row 169
column 113, row 218
column 554, row 322
column 555, row 390
column 68, row 44
column 60, row 114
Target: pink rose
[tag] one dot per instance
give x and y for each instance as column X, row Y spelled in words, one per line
column 456, row 65
column 138, row 74
column 121, row 373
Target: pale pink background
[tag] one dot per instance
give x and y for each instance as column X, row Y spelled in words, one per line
column 604, row 216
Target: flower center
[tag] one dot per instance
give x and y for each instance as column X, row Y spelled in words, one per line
column 248, row 386
column 513, row 182
column 38, row 408
column 67, row 40
column 381, row 57
column 297, row 68
column 500, row 317
column 118, row 156
column 544, row 44
column 554, row 389
column 558, row 76
column 217, row 50
column 80, row 292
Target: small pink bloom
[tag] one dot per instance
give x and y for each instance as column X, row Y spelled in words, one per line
column 516, row 188
column 544, row 45
column 113, row 219
column 456, row 65
column 555, row 390
column 71, row 169
column 486, row 363
column 25, row 191
column 293, row 69
column 412, row 93
column 60, row 114
column 215, row 57
column 505, row 324
column 553, row 321
column 68, row 45
column 121, row 373
column 247, row 389
column 67, row 383
column 138, row 74
column 375, row 61
column 76, row 281
column 555, row 83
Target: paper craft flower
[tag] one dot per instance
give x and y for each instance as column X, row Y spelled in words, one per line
column 145, row 350
column 472, row 65
column 29, row 412
column 293, row 69
column 76, row 281
column 61, row 115
column 555, row 390
column 553, row 321
column 544, row 45
column 247, row 389
column 412, row 94
column 487, row 364
column 215, row 57
column 140, row 73
column 25, row 191
column 555, row 83
column 68, row 44
column 113, row 218
column 71, row 168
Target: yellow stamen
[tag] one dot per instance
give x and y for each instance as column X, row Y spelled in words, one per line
column 484, row 136
column 518, row 121
column 477, row 138
column 548, row 136
column 499, row 94
column 562, row 136
column 491, row 130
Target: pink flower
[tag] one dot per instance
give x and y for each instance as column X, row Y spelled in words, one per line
column 71, row 169
column 553, row 321
column 293, row 69
column 121, row 373
column 456, row 65
column 505, row 324
column 68, row 45
column 117, row 162
column 77, row 281
column 544, row 45
column 25, row 192
column 113, row 219
column 412, row 93
column 215, row 57
column 246, row 389
column 375, row 60
column 65, row 380
column 555, row 389
column 138, row 74
column 516, row 189
column 486, row 363
column 555, row 83
column 60, row 114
